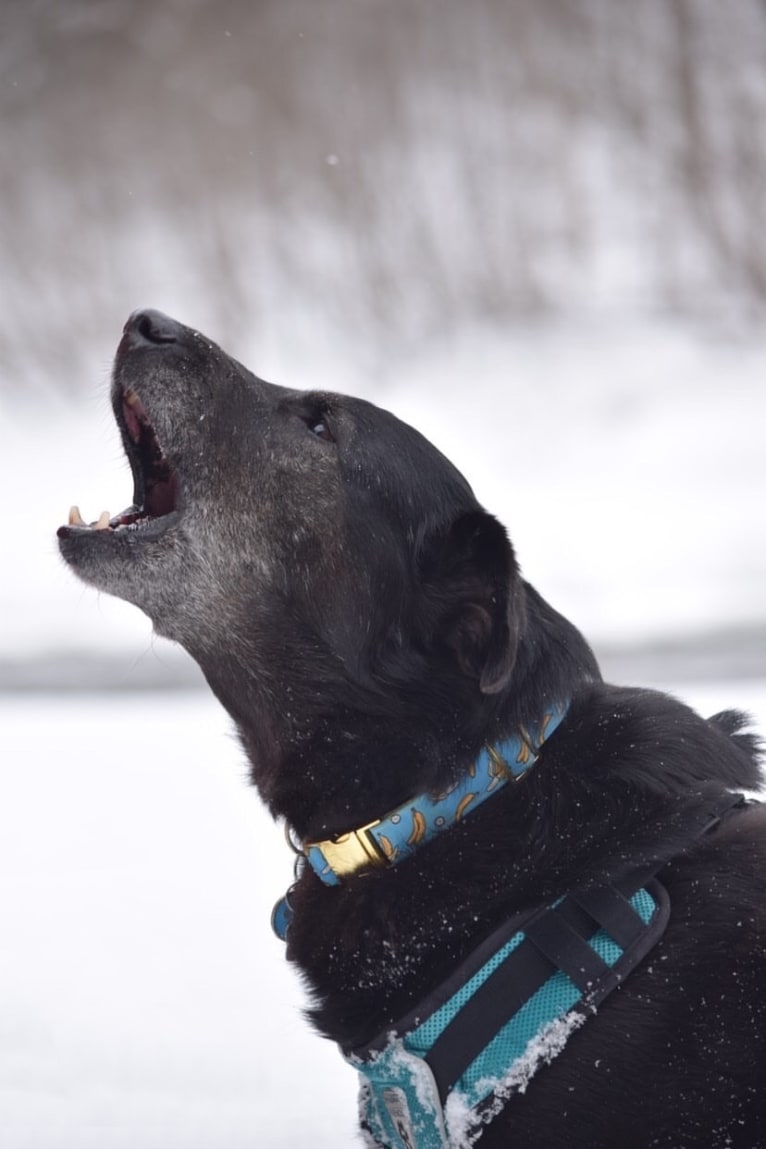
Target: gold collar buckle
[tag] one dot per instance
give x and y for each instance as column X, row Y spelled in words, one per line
column 347, row 853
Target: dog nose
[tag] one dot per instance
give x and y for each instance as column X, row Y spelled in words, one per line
column 147, row 326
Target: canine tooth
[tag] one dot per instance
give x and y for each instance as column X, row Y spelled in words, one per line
column 103, row 521
column 75, row 518
column 131, row 398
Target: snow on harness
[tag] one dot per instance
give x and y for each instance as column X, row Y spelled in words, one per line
column 436, row 1077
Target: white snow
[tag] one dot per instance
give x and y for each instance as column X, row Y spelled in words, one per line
column 145, row 1001
column 143, row 998
column 540, row 1051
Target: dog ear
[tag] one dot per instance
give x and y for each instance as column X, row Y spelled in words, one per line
column 472, row 584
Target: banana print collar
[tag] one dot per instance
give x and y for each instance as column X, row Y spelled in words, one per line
column 398, row 834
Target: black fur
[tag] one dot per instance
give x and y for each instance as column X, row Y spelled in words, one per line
column 365, row 623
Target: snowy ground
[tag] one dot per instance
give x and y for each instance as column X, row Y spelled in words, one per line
column 144, row 1002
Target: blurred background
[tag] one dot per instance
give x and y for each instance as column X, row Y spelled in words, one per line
column 538, row 232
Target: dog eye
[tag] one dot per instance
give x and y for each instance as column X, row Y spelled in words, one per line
column 319, row 428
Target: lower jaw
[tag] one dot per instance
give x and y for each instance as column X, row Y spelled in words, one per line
column 134, row 523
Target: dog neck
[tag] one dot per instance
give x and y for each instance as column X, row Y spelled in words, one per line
column 397, row 835
column 390, row 839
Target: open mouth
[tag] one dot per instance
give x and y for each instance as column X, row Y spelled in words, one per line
column 155, row 483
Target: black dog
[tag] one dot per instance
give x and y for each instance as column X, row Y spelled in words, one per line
column 365, row 623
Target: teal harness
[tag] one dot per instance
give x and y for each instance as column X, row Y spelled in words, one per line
column 440, row 1074
column 436, row 1077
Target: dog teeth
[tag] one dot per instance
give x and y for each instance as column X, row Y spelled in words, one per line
column 102, row 523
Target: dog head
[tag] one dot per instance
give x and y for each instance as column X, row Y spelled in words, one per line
column 310, row 551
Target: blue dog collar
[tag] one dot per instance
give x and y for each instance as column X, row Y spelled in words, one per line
column 400, row 833
column 396, row 836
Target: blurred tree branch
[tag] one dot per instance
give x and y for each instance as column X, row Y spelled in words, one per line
column 376, row 169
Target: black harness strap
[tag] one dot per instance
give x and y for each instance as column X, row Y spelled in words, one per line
column 613, row 912
column 567, row 950
column 500, row 997
column 556, row 939
column 490, row 1008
